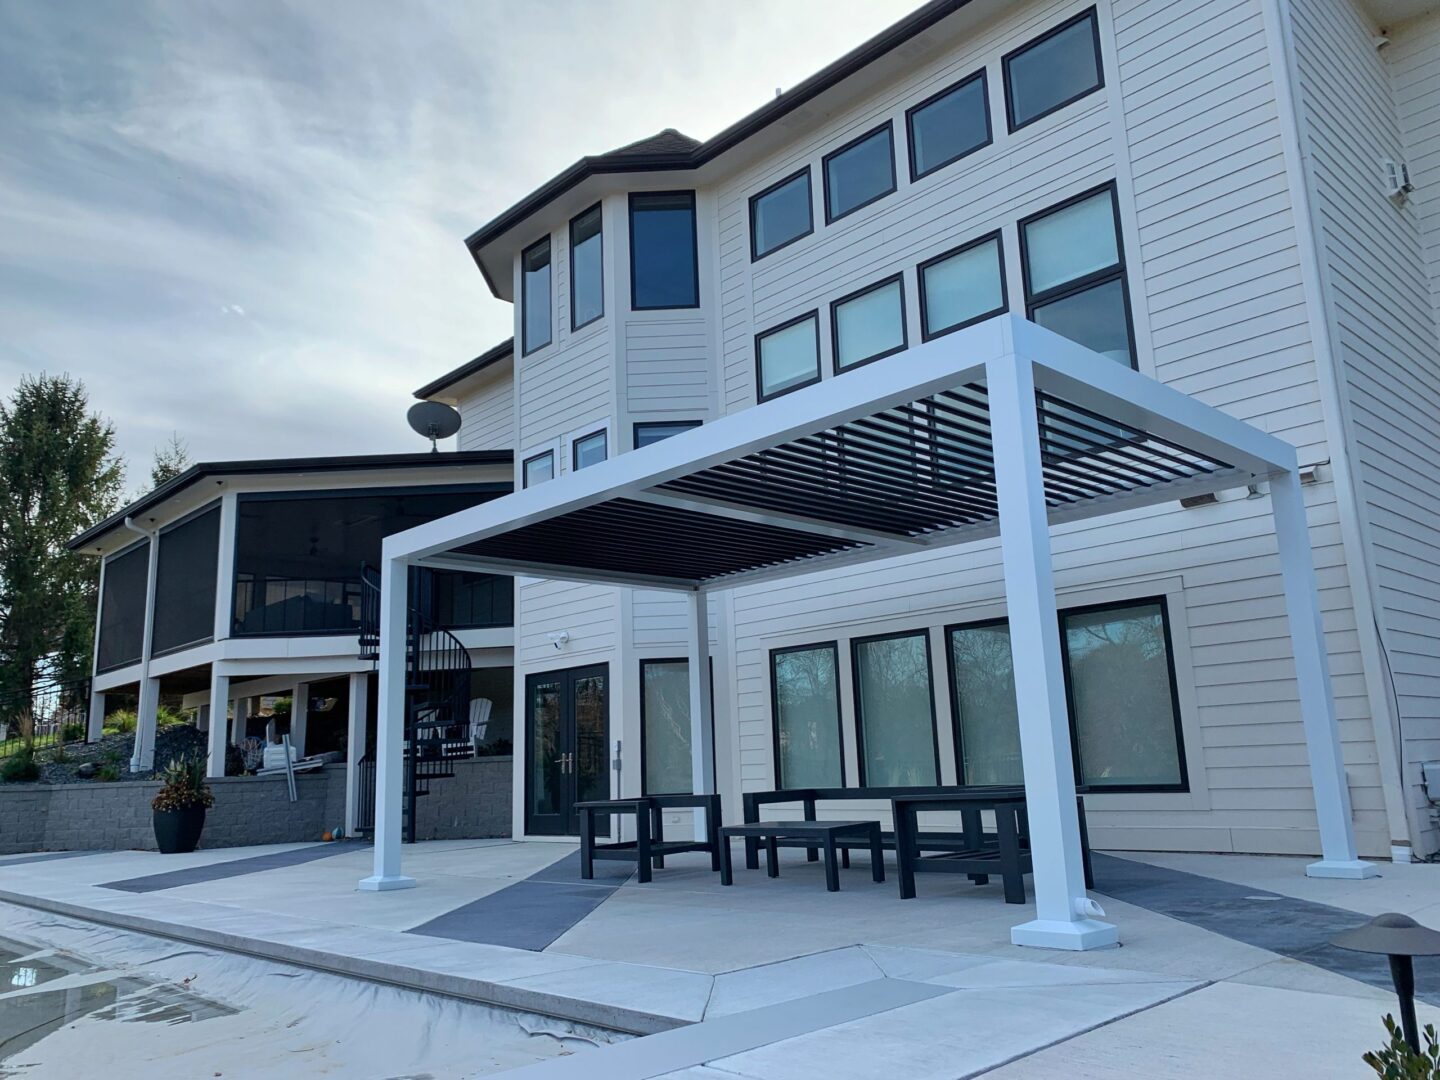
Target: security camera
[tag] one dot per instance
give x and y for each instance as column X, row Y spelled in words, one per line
column 561, row 639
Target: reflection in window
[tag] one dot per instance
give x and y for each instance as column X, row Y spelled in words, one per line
column 1054, row 70
column 859, row 173
column 535, row 299
column 807, row 717
column 539, row 468
column 788, row 357
column 665, row 710
column 948, row 126
column 663, row 266
column 653, row 431
column 587, row 273
column 780, row 214
column 983, row 685
column 962, row 287
column 869, row 324
column 893, row 711
column 589, row 450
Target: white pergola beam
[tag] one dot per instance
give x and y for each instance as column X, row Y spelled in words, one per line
column 474, row 564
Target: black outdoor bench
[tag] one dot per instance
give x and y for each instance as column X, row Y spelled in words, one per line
column 828, row 834
column 649, row 847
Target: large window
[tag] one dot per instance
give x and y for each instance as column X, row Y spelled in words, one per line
column 664, row 264
column 895, row 711
column 492, row 732
column 588, row 450
column 122, row 608
column 805, row 702
column 868, row 324
column 1120, row 683
column 781, row 214
column 962, row 287
column 535, row 297
column 787, row 357
column 653, row 431
column 587, row 269
column 538, row 469
column 665, row 726
column 457, row 599
column 859, row 172
column 185, row 577
column 946, row 127
column 1053, row 70
column 1075, row 273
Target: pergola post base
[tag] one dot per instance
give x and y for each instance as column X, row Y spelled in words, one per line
column 1077, row 936
column 380, row 883
column 1352, row 869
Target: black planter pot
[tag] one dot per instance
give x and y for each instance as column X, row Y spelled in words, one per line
column 178, row 831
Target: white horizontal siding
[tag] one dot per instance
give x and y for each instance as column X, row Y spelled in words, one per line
column 667, row 368
column 487, row 416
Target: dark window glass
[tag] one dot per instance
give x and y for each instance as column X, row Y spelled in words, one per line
column 492, row 726
column 665, row 715
column 1094, row 317
column 539, row 468
column 859, row 173
column 659, row 430
column 869, row 324
column 587, row 274
column 950, row 125
column 780, row 215
column 894, row 711
column 664, row 270
column 185, row 582
column 807, row 717
column 962, row 287
column 589, row 450
column 122, row 608
column 535, row 301
column 1054, row 70
column 459, row 599
column 982, row 683
column 788, row 357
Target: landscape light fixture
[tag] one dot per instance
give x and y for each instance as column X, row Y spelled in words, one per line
column 1400, row 938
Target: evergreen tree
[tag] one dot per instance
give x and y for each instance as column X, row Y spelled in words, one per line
column 59, row 475
column 170, row 461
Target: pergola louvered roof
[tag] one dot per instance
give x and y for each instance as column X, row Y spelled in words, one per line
column 894, row 457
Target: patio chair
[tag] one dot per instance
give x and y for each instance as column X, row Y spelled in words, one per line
column 479, row 721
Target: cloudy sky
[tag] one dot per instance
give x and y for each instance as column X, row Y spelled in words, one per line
column 243, row 221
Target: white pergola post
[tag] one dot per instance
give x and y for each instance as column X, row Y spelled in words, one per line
column 95, row 728
column 1062, row 919
column 299, row 716
column 355, row 746
column 1312, row 673
column 219, row 729
column 390, row 728
column 702, row 730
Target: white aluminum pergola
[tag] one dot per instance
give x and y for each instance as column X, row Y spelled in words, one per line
column 1002, row 428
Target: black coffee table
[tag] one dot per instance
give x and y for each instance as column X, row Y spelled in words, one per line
column 825, row 834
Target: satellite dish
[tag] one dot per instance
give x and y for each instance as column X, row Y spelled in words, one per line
column 434, row 420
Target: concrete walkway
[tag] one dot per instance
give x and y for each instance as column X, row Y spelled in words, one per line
column 778, row 978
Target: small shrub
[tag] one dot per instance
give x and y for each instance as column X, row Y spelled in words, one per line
column 20, row 767
column 1399, row 1061
column 73, row 732
column 58, row 756
column 184, row 785
column 109, row 772
column 121, row 721
column 169, row 716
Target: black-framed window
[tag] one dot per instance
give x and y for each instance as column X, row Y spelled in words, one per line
column 587, row 268
column 589, row 450
column 1120, row 689
column 1074, row 270
column 781, row 214
column 787, row 356
column 664, row 255
column 1061, row 66
column 868, row 324
column 653, row 431
column 949, row 125
column 895, row 710
column 962, row 286
column 535, row 300
column 859, row 172
column 185, row 577
column 538, row 469
column 805, row 704
column 122, row 608
column 665, row 726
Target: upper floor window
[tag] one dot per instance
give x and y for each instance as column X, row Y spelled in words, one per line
column 1061, row 66
column 589, row 450
column 868, row 324
column 962, row 286
column 946, row 127
column 859, row 172
column 587, row 274
column 664, row 264
column 1075, row 273
column 539, row 468
column 535, row 302
column 653, row 431
column 787, row 357
column 781, row 214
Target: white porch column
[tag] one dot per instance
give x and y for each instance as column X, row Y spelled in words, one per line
column 95, row 727
column 1061, row 920
column 702, row 730
column 143, row 756
column 237, row 725
column 219, row 729
column 390, row 729
column 299, row 716
column 1312, row 673
column 355, row 747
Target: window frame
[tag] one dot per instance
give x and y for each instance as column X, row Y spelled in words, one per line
column 889, row 128
column 1116, row 271
column 694, row 248
column 1089, row 13
column 835, row 305
column 604, row 436
column 641, row 425
column 644, row 771
column 957, row 737
column 809, row 211
column 939, row 95
column 526, row 348
column 855, row 643
column 760, row 395
column 525, row 467
column 834, row 646
column 995, row 236
column 570, row 236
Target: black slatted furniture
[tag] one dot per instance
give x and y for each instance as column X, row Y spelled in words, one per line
column 970, row 849
column 827, row 835
column 649, row 847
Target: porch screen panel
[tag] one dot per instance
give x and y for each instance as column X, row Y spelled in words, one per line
column 122, row 608
column 894, row 711
column 983, row 690
column 185, row 582
column 665, row 710
column 807, row 718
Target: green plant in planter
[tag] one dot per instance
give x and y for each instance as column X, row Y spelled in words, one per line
column 183, row 785
column 1400, row 1061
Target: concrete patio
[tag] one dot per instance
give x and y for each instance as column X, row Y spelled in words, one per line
column 1222, row 964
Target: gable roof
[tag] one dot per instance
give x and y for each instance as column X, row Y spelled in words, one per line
column 490, row 356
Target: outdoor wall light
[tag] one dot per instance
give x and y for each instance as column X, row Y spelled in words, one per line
column 1400, row 938
column 561, row 639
